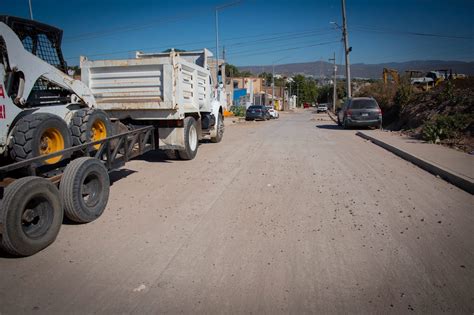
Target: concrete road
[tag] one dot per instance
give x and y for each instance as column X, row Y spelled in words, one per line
column 287, row 216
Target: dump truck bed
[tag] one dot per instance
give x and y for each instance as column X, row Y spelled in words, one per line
column 151, row 86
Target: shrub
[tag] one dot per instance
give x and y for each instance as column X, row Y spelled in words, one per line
column 446, row 127
column 238, row 111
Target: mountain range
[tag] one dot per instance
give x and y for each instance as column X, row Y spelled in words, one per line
column 362, row 70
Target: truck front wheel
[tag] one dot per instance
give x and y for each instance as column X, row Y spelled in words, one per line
column 219, row 133
column 190, row 139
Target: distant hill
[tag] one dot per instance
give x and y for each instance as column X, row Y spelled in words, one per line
column 361, row 70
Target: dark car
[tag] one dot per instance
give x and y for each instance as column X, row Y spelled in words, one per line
column 360, row 112
column 257, row 112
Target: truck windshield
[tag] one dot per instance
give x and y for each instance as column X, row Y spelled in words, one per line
column 364, row 104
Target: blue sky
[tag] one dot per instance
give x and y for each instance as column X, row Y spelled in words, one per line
column 258, row 32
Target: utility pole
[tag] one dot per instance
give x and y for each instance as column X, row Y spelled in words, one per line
column 31, row 10
column 273, row 85
column 334, row 92
column 346, row 48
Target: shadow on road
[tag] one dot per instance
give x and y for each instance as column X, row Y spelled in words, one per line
column 330, row 127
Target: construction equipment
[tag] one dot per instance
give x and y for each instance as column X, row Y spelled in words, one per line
column 43, row 110
column 173, row 91
column 390, row 72
column 57, row 145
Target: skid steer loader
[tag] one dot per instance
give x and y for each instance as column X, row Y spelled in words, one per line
column 42, row 109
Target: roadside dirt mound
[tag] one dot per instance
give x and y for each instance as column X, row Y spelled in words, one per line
column 449, row 99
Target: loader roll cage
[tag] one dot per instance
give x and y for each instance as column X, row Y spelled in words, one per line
column 42, row 40
column 113, row 151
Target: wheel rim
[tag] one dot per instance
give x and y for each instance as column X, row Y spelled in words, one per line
column 91, row 189
column 51, row 141
column 192, row 138
column 37, row 217
column 98, row 132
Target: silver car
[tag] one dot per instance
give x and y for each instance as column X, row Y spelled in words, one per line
column 360, row 112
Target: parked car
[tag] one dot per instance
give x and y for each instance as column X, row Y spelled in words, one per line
column 273, row 112
column 323, row 107
column 257, row 112
column 360, row 112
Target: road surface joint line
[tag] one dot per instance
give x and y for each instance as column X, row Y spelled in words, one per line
column 450, row 176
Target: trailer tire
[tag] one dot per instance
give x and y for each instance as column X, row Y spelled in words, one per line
column 84, row 189
column 90, row 124
column 219, row 129
column 31, row 214
column 39, row 134
column 190, row 139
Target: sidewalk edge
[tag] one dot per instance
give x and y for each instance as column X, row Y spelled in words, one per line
column 449, row 176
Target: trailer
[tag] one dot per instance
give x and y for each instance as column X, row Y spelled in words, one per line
column 172, row 91
column 36, row 195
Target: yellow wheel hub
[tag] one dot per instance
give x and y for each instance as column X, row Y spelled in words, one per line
column 98, row 131
column 51, row 141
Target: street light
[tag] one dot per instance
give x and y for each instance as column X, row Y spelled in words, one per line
column 220, row 7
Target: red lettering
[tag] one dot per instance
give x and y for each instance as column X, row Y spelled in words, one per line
column 2, row 93
column 3, row 115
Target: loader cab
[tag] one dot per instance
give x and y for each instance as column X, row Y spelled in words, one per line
column 42, row 40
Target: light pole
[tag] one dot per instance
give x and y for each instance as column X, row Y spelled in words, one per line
column 220, row 7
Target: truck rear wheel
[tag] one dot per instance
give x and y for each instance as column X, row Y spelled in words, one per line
column 190, row 139
column 172, row 154
column 31, row 214
column 39, row 134
column 90, row 124
column 219, row 129
column 84, row 189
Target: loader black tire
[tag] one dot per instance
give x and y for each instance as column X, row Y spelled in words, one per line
column 191, row 141
column 84, row 189
column 220, row 129
column 31, row 215
column 30, row 132
column 90, row 124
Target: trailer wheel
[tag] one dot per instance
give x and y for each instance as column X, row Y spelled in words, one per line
column 84, row 189
column 89, row 124
column 219, row 129
column 32, row 215
column 190, row 139
column 39, row 134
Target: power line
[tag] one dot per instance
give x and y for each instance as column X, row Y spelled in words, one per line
column 134, row 27
column 287, row 49
column 366, row 28
column 226, row 41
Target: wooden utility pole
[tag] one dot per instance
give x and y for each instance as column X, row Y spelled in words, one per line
column 334, row 89
column 346, row 48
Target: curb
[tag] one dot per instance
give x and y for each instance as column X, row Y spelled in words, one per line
column 331, row 116
column 455, row 179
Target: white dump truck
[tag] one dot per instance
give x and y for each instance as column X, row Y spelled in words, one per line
column 173, row 91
